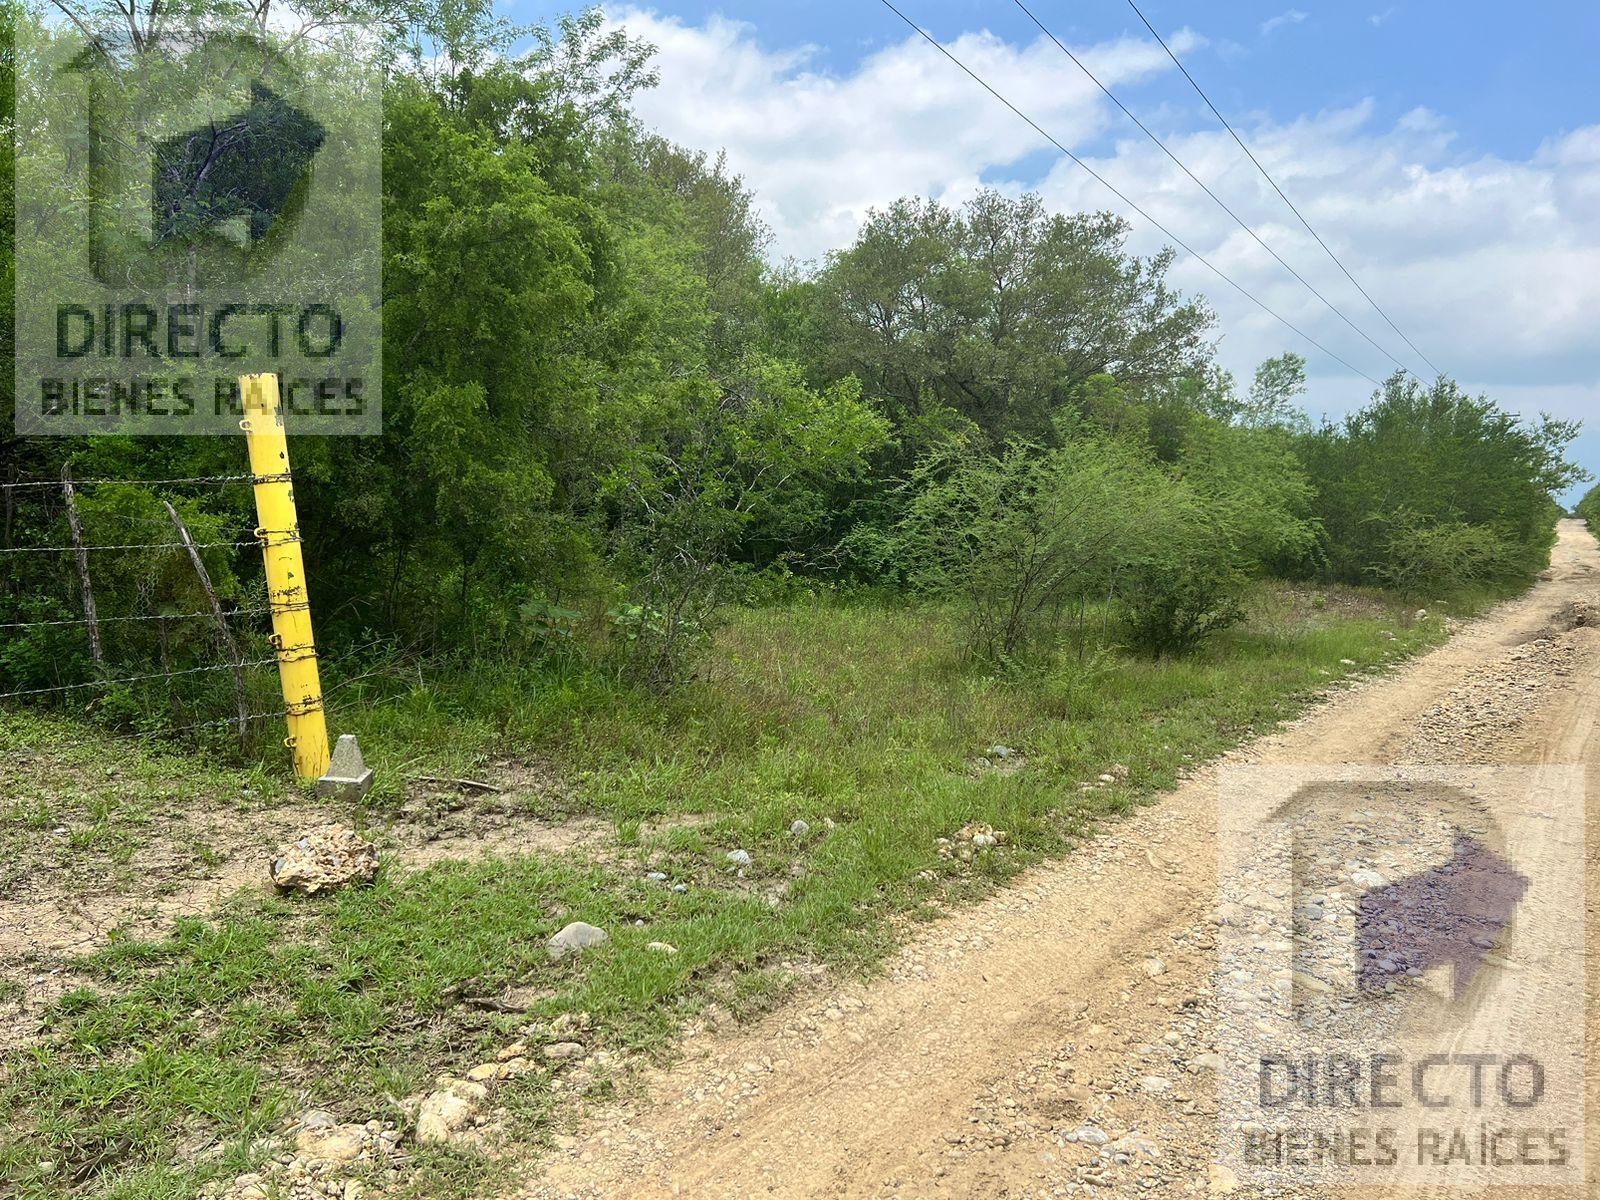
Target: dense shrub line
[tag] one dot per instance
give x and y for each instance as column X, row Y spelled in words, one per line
column 1589, row 508
column 989, row 406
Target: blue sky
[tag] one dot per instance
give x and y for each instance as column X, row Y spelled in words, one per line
column 1507, row 74
column 1450, row 152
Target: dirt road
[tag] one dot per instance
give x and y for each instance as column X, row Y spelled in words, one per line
column 1005, row 1044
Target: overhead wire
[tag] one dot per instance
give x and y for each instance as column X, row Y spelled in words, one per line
column 1132, row 204
column 1265, row 174
column 1206, row 188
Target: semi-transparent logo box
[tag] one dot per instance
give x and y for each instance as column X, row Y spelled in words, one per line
column 194, row 204
column 1401, row 979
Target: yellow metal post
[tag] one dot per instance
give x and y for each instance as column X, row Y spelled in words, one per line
column 286, row 575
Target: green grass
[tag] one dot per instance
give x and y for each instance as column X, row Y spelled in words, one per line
column 859, row 719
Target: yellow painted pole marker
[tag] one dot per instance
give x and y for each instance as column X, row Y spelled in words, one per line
column 286, row 575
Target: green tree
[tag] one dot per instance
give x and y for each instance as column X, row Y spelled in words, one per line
column 1426, row 471
column 1274, row 394
column 994, row 314
column 1589, row 509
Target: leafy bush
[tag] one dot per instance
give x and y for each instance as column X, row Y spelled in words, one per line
column 1187, row 583
column 1018, row 540
column 754, row 454
column 1256, row 493
column 1012, row 541
column 1589, row 509
column 1430, row 487
column 1175, row 605
column 1421, row 556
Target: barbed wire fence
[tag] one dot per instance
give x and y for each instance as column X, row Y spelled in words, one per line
column 132, row 602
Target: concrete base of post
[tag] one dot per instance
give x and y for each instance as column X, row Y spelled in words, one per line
column 348, row 777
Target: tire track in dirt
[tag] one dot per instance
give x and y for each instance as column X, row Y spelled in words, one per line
column 1079, row 995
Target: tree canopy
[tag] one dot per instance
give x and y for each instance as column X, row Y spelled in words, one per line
column 603, row 399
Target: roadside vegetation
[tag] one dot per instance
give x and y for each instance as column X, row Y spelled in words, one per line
column 1589, row 509
column 609, row 422
column 961, row 528
column 864, row 721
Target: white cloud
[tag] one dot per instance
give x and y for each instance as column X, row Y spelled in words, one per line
column 1291, row 17
column 822, row 148
column 1491, row 265
column 1376, row 20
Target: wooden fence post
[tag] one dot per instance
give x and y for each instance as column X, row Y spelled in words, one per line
column 91, row 616
column 241, row 697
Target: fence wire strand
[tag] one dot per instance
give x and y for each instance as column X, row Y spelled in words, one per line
column 217, row 480
column 113, row 682
column 152, row 734
column 209, row 616
column 284, row 537
column 48, row 494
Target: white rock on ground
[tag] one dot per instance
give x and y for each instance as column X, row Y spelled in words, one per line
column 450, row 1111
column 322, row 1140
column 576, row 937
column 319, row 1162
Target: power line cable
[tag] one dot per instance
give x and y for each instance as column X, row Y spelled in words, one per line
column 1218, row 200
column 1268, row 177
column 1115, row 191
